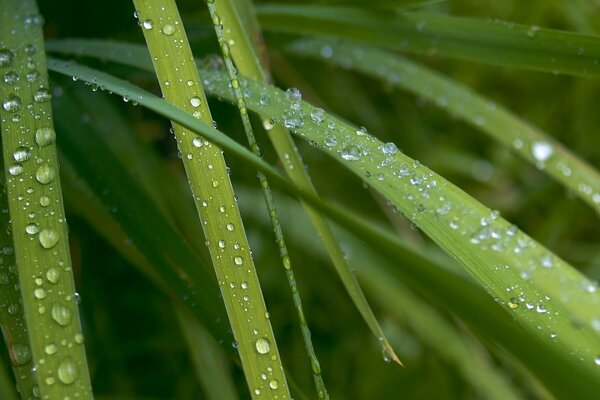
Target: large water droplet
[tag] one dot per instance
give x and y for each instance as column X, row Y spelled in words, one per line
column 32, row 228
column 195, row 101
column 61, row 314
column 48, row 238
column 293, row 94
column 45, row 136
column 168, row 29
column 262, row 345
column 15, row 169
column 21, row 154
column 42, row 95
column 274, row 384
column 389, row 148
column 67, row 371
column 12, row 103
column 53, row 275
column 10, row 77
column 351, row 153
column 45, row 174
column 21, row 354
column 45, row 201
column 51, row 349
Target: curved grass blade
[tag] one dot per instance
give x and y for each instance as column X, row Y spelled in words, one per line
column 563, row 376
column 245, row 56
column 36, row 207
column 491, row 42
column 222, row 25
column 12, row 317
column 214, row 199
column 528, row 141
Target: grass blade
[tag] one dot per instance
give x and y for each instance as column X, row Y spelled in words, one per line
column 581, row 291
column 214, row 198
column 36, row 208
column 492, row 42
column 247, row 61
column 528, row 141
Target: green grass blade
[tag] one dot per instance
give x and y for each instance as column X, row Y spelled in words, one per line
column 36, row 208
column 245, row 56
column 214, row 198
column 503, row 126
column 581, row 291
column 7, row 390
column 492, row 42
column 12, row 318
column 222, row 26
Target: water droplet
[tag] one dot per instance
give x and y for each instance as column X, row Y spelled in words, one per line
column 542, row 150
column 45, row 174
column 541, row 309
column 389, row 148
column 318, row 115
column 238, row 260
column 53, row 275
column 7, row 57
column 513, row 303
column 32, row 76
column 215, row 183
column 39, row 293
column 147, row 24
column 287, row 264
column 48, row 238
column 10, row 77
column 32, row 228
column 168, row 29
column 197, row 142
column 274, row 384
column 597, row 360
column 221, row 244
column 78, row 338
column 51, row 349
column 230, row 227
column 45, row 136
column 44, row 201
column 293, row 94
column 351, row 153
column 20, row 354
column 12, row 103
column 61, row 314
column 244, row 285
column 15, row 169
column 195, row 101
column 532, row 31
column 21, row 154
column 67, row 371
column 330, row 141
column 263, row 346
column 42, row 95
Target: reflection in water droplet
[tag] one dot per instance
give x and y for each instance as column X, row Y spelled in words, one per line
column 263, row 346
column 48, row 238
column 61, row 314
column 67, row 371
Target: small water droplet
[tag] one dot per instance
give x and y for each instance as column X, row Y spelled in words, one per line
column 244, row 285
column 39, row 293
column 53, row 275
column 21, row 154
column 42, row 95
column 197, row 142
column 12, row 103
column 262, row 345
column 221, row 244
column 274, row 384
column 318, row 115
column 67, row 371
column 147, row 24
column 7, row 57
column 195, row 101
column 51, row 349
column 45, row 174
column 61, row 314
column 48, row 238
column 513, row 303
column 293, row 94
column 15, row 169
column 168, row 29
column 238, row 260
column 32, row 228
column 389, row 148
column 45, row 201
column 10, row 77
column 230, row 227
column 542, row 150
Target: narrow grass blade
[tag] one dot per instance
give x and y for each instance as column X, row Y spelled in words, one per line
column 492, row 42
column 574, row 297
column 214, row 198
column 231, row 24
column 247, row 61
column 7, row 390
column 36, row 208
column 525, row 139
column 208, row 359
column 12, row 317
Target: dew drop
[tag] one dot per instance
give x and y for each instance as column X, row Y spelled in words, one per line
column 42, row 95
column 21, row 154
column 293, row 94
column 61, row 314
column 147, row 24
column 7, row 57
column 12, row 103
column 44, row 201
column 542, row 150
column 15, row 169
column 274, row 384
column 597, row 360
column 318, row 115
column 351, row 153
column 51, row 349
column 53, row 275
column 238, row 260
column 45, row 174
column 45, row 136
column 197, row 142
column 330, row 141
column 244, row 285
column 21, row 354
column 230, row 227
column 39, row 293
column 10, row 77
column 513, row 303
column 32, row 228
column 195, row 101
column 78, row 338
column 221, row 244
column 67, row 371
column 48, row 238
column 168, row 29
column 389, row 148
column 262, row 345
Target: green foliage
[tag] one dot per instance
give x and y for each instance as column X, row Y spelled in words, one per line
column 474, row 306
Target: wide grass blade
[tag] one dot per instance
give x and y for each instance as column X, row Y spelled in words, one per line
column 36, row 208
column 492, row 42
column 529, row 142
column 557, row 331
column 214, row 199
